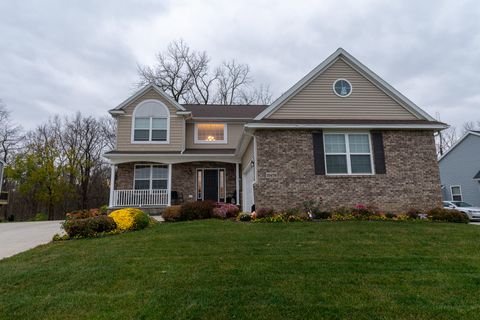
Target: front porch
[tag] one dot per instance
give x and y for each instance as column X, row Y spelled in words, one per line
column 157, row 185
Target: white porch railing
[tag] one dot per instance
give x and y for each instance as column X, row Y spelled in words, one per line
column 140, row 198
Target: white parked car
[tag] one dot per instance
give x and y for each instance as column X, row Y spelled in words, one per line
column 472, row 212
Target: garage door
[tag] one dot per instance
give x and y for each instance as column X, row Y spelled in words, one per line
column 248, row 179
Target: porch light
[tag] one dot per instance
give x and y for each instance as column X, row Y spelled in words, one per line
column 210, row 138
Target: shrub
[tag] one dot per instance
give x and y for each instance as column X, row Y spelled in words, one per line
column 295, row 214
column 225, row 211
column 142, row 220
column 39, row 217
column 312, row 207
column 244, row 216
column 447, row 215
column 342, row 211
column 172, row 213
column 274, row 218
column 390, row 215
column 197, row 210
column 88, row 227
column 362, row 212
column 322, row 215
column 60, row 237
column 264, row 213
column 83, row 214
column 130, row 219
column 413, row 213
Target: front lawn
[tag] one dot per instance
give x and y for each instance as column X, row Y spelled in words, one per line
column 222, row 270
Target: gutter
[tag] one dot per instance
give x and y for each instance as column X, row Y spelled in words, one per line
column 344, row 126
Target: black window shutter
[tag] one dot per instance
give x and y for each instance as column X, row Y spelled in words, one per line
column 318, row 153
column 378, row 153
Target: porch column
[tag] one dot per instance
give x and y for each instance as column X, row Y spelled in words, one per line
column 237, row 183
column 112, row 185
column 169, row 185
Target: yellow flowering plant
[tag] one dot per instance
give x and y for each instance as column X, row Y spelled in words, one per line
column 130, row 219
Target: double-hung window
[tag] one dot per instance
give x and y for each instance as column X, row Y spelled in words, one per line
column 456, row 193
column 348, row 153
column 150, row 122
column 151, row 176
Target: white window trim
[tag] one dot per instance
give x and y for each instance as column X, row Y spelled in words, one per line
column 458, row 194
column 150, row 179
column 150, row 129
column 203, row 183
column 348, row 154
column 333, row 87
column 225, row 131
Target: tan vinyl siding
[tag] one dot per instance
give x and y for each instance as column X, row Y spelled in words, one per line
column 234, row 133
column 247, row 156
column 124, row 127
column 318, row 101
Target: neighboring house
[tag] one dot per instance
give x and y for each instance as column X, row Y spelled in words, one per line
column 341, row 135
column 460, row 170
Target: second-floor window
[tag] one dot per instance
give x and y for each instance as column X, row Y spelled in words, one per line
column 150, row 122
column 210, row 133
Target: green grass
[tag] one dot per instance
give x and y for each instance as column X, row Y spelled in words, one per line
column 226, row 270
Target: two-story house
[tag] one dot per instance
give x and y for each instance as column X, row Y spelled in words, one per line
column 341, row 135
column 460, row 170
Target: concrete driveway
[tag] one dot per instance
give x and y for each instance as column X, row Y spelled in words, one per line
column 16, row 237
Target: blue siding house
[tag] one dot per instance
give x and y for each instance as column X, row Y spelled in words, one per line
column 460, row 170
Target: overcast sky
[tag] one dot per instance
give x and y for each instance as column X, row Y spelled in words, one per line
column 60, row 57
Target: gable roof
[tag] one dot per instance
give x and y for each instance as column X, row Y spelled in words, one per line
column 471, row 132
column 119, row 109
column 477, row 176
column 358, row 66
column 224, row 111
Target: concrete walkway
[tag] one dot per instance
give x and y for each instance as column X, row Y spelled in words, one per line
column 16, row 237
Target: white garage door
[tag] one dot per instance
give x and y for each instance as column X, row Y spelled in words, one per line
column 248, row 179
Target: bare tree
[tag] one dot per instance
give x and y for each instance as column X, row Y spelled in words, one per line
column 260, row 95
column 171, row 73
column 470, row 126
column 186, row 76
column 233, row 78
column 11, row 134
column 108, row 128
column 445, row 139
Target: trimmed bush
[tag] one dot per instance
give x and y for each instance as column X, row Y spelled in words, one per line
column 390, row 215
column 225, row 211
column 130, row 219
column 88, row 227
column 172, row 213
column 83, row 214
column 264, row 213
column 197, row 210
column 413, row 213
column 447, row 215
column 322, row 215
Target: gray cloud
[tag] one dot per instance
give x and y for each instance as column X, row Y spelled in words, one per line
column 59, row 57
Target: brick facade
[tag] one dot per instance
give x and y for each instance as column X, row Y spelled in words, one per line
column 286, row 177
column 183, row 176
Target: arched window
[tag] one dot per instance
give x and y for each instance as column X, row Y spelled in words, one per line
column 151, row 121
